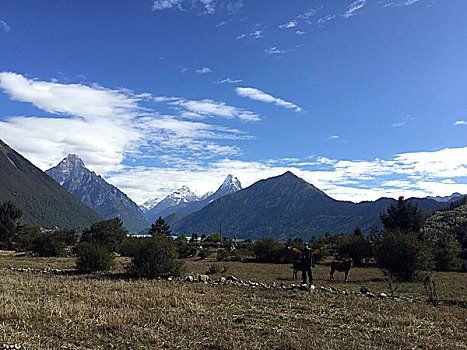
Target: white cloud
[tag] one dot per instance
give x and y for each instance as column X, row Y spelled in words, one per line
column 273, row 50
column 353, row 7
column 341, row 179
column 258, row 95
column 255, row 35
column 210, row 108
column 105, row 126
column 159, row 5
column 299, row 32
column 68, row 98
column 288, row 25
column 410, row 2
column 228, row 81
column 4, row 26
column 325, row 19
column 209, row 6
column 333, row 137
column 461, row 122
column 204, row 70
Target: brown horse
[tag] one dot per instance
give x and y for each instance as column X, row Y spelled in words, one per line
column 342, row 266
column 296, row 266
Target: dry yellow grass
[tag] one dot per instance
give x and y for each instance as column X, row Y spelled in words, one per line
column 97, row 312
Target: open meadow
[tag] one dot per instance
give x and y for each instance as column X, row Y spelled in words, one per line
column 104, row 311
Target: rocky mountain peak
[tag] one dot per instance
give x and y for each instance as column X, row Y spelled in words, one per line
column 71, row 161
column 231, row 183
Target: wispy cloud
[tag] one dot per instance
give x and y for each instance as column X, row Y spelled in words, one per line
column 258, row 95
column 354, row 180
column 209, row 108
column 110, row 125
column 159, row 5
column 204, row 70
column 228, row 81
column 273, row 50
column 209, row 6
column 325, row 19
column 406, row 120
column 461, row 122
column 288, row 25
column 354, row 7
column 4, row 26
column 255, row 35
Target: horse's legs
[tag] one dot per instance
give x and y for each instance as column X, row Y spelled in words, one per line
column 346, row 273
column 331, row 275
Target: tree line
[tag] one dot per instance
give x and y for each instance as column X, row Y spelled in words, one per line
column 408, row 243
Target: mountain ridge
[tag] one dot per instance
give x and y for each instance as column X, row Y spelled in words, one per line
column 97, row 193
column 190, row 203
column 43, row 201
column 284, row 206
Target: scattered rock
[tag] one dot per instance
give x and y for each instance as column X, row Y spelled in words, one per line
column 189, row 278
column 382, row 296
column 370, row 295
column 222, row 280
column 203, row 278
column 232, row 278
column 365, row 290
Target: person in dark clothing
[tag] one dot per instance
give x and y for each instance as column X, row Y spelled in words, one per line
column 306, row 258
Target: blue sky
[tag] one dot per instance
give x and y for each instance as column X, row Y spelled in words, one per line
column 362, row 98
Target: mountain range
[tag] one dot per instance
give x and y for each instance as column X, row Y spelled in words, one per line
column 183, row 201
column 284, row 206
column 42, row 200
column 96, row 193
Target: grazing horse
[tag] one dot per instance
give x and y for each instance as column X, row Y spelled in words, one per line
column 296, row 266
column 342, row 266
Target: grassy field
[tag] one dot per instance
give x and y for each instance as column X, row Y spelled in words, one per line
column 40, row 311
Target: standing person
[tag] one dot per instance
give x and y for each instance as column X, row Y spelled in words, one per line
column 306, row 258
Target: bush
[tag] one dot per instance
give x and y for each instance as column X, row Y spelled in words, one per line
column 204, row 253
column 215, row 237
column 354, row 246
column 270, row 250
column 94, row 257
column 108, row 232
column 52, row 243
column 402, row 255
column 130, row 246
column 213, row 269
column 156, row 257
column 446, row 253
column 184, row 249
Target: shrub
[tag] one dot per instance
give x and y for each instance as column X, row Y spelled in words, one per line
column 446, row 253
column 108, row 232
column 215, row 237
column 94, row 257
column 204, row 253
column 223, row 255
column 354, row 246
column 213, row 269
column 270, row 250
column 403, row 255
column 52, row 243
column 156, row 257
column 9, row 215
column 130, row 246
column 184, row 249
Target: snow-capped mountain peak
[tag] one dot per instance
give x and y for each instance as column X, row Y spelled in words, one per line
column 230, row 184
